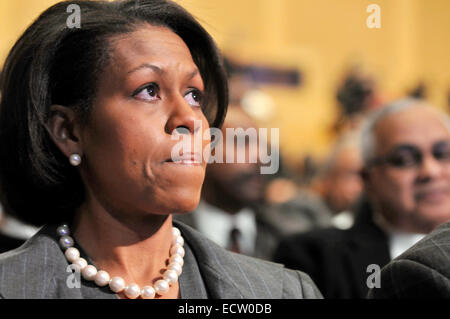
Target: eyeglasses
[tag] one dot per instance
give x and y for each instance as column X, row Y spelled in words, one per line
column 407, row 156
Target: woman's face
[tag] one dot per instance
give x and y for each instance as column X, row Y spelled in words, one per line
column 150, row 87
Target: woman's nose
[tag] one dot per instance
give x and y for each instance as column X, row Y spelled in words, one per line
column 182, row 117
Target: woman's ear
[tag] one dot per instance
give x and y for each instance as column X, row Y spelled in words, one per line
column 64, row 130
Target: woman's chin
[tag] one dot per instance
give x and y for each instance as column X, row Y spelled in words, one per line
column 184, row 202
column 185, row 208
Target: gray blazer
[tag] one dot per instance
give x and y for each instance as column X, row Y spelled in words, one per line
column 423, row 271
column 37, row 270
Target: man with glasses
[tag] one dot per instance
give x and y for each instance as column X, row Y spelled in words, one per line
column 406, row 152
column 409, row 178
column 406, row 174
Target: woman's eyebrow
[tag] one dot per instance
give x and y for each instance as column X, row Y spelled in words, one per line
column 192, row 74
column 153, row 67
column 160, row 71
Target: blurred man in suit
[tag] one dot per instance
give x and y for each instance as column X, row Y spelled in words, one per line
column 339, row 182
column 230, row 212
column 328, row 200
column 406, row 155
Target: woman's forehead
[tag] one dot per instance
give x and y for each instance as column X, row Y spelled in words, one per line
column 151, row 45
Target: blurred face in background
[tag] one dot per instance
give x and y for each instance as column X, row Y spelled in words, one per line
column 343, row 184
column 240, row 182
column 410, row 182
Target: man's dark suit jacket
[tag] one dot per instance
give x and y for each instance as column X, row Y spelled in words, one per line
column 423, row 271
column 337, row 259
column 37, row 270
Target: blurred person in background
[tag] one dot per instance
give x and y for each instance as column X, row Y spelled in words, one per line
column 288, row 205
column 327, row 200
column 406, row 174
column 419, row 91
column 339, row 182
column 356, row 95
column 294, row 208
column 231, row 210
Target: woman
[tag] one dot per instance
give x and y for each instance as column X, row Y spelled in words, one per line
column 85, row 138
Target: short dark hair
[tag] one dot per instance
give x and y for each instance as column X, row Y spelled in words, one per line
column 54, row 64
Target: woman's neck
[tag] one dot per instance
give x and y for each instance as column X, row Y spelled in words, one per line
column 135, row 249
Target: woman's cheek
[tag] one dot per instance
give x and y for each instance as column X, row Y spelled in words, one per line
column 206, row 147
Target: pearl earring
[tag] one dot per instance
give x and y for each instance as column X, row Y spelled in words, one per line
column 75, row 159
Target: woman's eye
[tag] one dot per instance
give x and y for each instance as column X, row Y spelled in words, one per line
column 194, row 98
column 148, row 93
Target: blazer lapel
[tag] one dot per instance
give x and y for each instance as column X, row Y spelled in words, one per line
column 232, row 276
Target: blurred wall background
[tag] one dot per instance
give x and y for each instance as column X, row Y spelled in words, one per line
column 321, row 38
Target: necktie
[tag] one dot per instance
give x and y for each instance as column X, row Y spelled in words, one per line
column 234, row 240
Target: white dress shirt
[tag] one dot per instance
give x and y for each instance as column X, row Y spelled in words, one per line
column 217, row 224
column 343, row 220
column 398, row 241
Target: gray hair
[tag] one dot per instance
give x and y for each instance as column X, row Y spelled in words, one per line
column 348, row 140
column 368, row 141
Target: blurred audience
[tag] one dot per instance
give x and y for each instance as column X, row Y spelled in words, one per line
column 293, row 209
column 356, row 95
column 418, row 92
column 230, row 212
column 339, row 182
column 406, row 174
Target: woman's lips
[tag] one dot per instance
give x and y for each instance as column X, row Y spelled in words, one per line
column 186, row 159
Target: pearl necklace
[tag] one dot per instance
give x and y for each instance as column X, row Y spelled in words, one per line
column 117, row 284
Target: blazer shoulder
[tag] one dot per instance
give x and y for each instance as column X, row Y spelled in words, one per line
column 299, row 285
column 40, row 244
column 407, row 279
column 433, row 251
column 245, row 276
column 28, row 271
column 295, row 284
column 420, row 272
